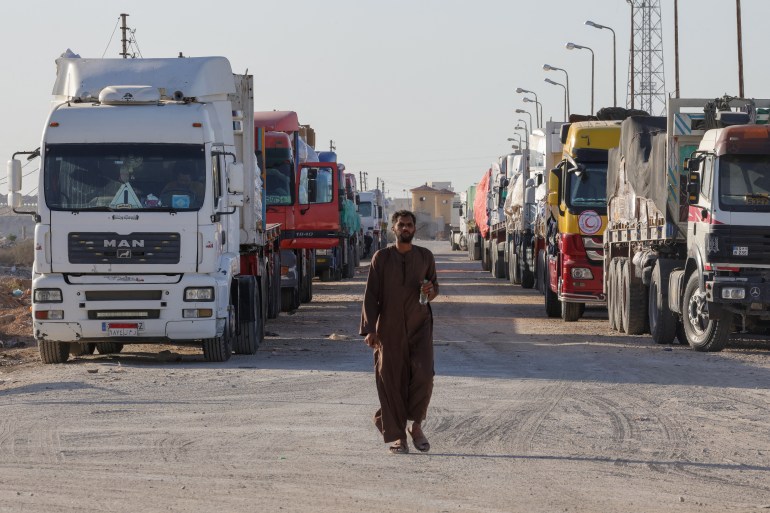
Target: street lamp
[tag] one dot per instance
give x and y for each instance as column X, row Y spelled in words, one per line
column 519, row 139
column 614, row 61
column 548, row 67
column 538, row 108
column 565, row 95
column 538, row 105
column 517, row 127
column 522, row 111
column 573, row 46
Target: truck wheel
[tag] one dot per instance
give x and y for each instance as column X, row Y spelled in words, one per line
column 306, row 291
column 570, row 312
column 527, row 279
column 485, row 256
column 662, row 320
column 618, row 294
column 541, row 271
column 463, row 246
column 53, row 352
column 108, row 347
column 251, row 332
column 610, row 280
column 515, row 275
column 289, row 299
column 635, row 302
column 274, row 289
column 326, row 275
column 217, row 349
column 703, row 334
column 681, row 336
column 498, row 269
column 552, row 303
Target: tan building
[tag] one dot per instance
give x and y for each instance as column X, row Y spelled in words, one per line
column 433, row 209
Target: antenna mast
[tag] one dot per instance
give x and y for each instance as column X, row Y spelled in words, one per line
column 646, row 80
column 124, row 31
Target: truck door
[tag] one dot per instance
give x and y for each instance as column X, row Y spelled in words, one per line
column 317, row 218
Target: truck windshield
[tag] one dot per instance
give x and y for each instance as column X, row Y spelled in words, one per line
column 124, row 176
column 279, row 184
column 744, row 183
column 365, row 209
column 588, row 189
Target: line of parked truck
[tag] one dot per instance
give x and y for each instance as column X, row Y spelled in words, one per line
column 169, row 211
column 665, row 220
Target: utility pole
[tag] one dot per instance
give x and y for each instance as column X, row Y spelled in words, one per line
column 676, row 48
column 740, row 50
column 124, row 31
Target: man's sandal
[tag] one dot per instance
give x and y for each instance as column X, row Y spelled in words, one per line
column 400, row 447
column 420, row 442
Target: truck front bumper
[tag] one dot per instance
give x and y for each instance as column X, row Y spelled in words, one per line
column 745, row 295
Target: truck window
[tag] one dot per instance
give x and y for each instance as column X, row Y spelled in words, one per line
column 744, row 183
column 365, row 209
column 707, row 175
column 588, row 189
column 279, row 184
column 123, row 176
column 316, row 185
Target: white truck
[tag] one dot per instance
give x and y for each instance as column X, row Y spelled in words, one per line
column 371, row 207
column 150, row 223
column 686, row 251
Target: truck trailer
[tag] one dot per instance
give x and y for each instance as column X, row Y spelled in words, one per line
column 686, row 252
column 150, row 224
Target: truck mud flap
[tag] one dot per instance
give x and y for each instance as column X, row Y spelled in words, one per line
column 675, row 290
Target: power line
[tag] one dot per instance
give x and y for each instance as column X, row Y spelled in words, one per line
column 113, row 35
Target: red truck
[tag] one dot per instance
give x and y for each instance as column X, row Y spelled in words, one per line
column 281, row 150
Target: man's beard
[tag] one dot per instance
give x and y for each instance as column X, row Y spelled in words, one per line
column 405, row 237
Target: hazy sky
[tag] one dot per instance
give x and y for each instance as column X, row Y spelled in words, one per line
column 409, row 90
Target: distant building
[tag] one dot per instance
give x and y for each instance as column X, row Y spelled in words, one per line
column 433, row 209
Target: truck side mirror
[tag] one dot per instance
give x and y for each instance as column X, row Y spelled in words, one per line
column 693, row 187
column 529, row 195
column 692, row 164
column 460, row 212
column 553, row 199
column 235, row 178
column 14, row 175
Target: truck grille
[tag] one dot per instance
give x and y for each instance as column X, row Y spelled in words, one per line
column 743, row 245
column 134, row 248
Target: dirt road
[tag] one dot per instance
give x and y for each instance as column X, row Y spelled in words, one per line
column 529, row 415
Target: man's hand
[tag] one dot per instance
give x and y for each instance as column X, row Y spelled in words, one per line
column 373, row 341
column 427, row 289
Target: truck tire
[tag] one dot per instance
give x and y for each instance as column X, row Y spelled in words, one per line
column 609, row 281
column 250, row 326
column 350, row 268
column 273, row 289
column 306, row 291
column 552, row 303
column 217, row 349
column 289, row 299
column 618, row 294
column 635, row 302
column 485, row 256
column 52, row 351
column 507, row 260
column 498, row 268
column 662, row 320
column 515, row 274
column 108, row 347
column 681, row 336
column 541, row 271
column 703, row 334
column 326, row 275
column 570, row 312
column 527, row 279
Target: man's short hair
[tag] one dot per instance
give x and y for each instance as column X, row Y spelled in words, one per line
column 402, row 213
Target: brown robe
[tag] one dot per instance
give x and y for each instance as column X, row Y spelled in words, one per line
column 403, row 365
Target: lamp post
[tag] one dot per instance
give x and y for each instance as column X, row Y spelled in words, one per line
column 573, row 46
column 548, row 67
column 511, row 139
column 517, row 127
column 565, row 95
column 614, row 61
column 538, row 109
column 539, row 113
column 522, row 111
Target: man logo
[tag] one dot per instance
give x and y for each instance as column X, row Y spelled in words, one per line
column 124, row 253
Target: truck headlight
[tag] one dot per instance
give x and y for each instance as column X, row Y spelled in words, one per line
column 199, row 294
column 581, row 273
column 733, row 293
column 47, row 296
column 322, row 252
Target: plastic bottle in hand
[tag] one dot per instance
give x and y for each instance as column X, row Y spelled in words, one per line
column 423, row 295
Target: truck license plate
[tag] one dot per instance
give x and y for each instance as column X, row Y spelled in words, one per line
column 123, row 329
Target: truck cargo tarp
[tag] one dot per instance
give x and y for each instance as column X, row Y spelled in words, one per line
column 640, row 163
column 350, row 219
column 480, row 205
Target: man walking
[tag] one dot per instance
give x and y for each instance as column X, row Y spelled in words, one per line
column 400, row 330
